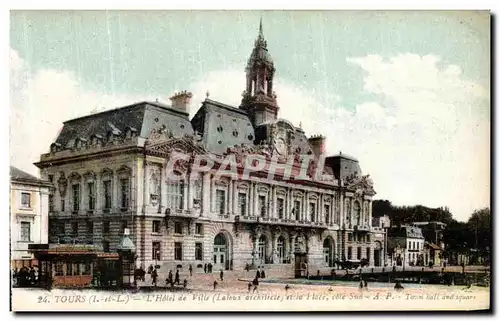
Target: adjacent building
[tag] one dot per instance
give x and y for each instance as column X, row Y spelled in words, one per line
column 434, row 245
column 112, row 171
column 380, row 225
column 405, row 245
column 29, row 215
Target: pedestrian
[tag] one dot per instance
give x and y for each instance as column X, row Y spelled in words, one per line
column 366, row 284
column 221, row 275
column 249, row 286
column 210, row 266
column 215, row 285
column 170, row 276
column 150, row 269
column 262, row 274
column 255, row 284
column 361, row 284
column 205, row 268
column 154, row 276
column 190, row 270
column 177, row 277
column 185, row 283
column 257, row 275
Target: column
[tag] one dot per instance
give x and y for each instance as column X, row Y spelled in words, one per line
column 235, row 198
column 97, row 194
column 163, row 191
column 250, row 199
column 341, row 208
column 255, row 199
column 190, row 189
column 212, row 194
column 206, row 194
column 274, row 252
column 305, row 206
column 273, row 202
column 115, row 192
column 370, row 214
column 321, row 210
column 185, row 194
column 230, row 197
column 333, row 211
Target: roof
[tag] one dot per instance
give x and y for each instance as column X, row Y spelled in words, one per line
column 142, row 116
column 434, row 246
column 21, row 176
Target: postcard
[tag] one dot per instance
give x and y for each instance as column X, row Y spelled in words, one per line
column 250, row 161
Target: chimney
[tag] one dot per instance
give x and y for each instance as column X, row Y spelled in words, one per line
column 317, row 144
column 181, row 100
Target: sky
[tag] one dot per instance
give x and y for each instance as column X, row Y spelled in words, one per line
column 406, row 93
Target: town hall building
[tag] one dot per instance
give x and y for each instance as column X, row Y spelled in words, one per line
column 109, row 173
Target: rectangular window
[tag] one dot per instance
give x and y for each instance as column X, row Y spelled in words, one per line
column 359, row 253
column 418, row 246
column 63, row 205
column 312, row 211
column 242, row 203
column 221, row 201
column 175, row 195
column 349, row 237
column 90, row 228
column 51, row 203
column 26, row 231
column 105, row 246
column 59, row 268
column 349, row 253
column 74, row 228
column 91, row 194
column 296, row 210
column 198, row 251
column 26, row 200
column 178, row 228
column 156, row 251
column 105, row 227
column 368, row 238
column 124, row 226
column 156, row 226
column 178, row 251
column 262, row 206
column 124, row 188
column 76, row 197
column 51, row 178
column 199, row 229
column 368, row 253
column 280, row 206
column 326, row 209
column 107, row 194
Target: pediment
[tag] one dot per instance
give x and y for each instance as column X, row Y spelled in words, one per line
column 179, row 145
column 361, row 184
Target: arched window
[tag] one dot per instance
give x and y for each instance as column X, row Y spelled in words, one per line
column 262, row 249
column 356, row 213
column 175, row 194
column 281, row 250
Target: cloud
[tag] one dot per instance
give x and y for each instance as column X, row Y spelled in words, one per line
column 424, row 137
column 41, row 100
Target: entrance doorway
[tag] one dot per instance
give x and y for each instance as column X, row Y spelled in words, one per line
column 262, row 250
column 328, row 252
column 221, row 253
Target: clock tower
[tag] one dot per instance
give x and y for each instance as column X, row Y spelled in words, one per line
column 259, row 99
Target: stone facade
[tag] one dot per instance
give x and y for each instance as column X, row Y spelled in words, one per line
column 111, row 172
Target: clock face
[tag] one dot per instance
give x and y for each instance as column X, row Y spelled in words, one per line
column 280, row 146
